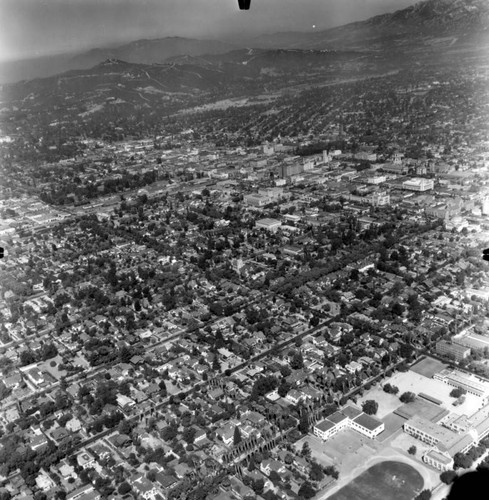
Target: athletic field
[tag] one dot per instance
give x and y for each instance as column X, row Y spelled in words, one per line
column 383, row 481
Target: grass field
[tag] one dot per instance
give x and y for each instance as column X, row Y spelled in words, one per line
column 383, row 481
column 428, row 367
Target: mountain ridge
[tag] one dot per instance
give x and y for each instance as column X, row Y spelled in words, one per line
column 418, row 27
column 144, row 51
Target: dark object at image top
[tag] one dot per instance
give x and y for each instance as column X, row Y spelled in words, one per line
column 244, row 4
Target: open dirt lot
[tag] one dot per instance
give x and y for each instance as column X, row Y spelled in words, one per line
column 414, row 382
column 387, row 402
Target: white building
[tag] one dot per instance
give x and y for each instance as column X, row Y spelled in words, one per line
column 471, row 383
column 380, row 199
column 268, row 224
column 349, row 418
column 418, row 184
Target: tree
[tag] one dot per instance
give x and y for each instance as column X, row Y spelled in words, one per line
column 283, row 389
column 258, row 486
column 370, row 407
column 457, row 392
column 330, row 470
column 274, row 477
column 407, row 397
column 216, row 366
column 316, row 473
column 306, row 450
column 306, row 490
column 5, row 494
column 406, row 351
column 424, row 495
column 304, row 422
column 237, row 436
column 27, row 357
column 391, row 389
column 297, row 361
column 412, row 450
column 461, row 461
column 448, row 476
column 124, row 488
column 124, row 427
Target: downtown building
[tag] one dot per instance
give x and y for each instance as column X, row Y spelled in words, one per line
column 418, row 184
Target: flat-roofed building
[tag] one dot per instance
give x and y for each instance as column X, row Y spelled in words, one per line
column 395, row 168
column 436, row 435
column 427, row 431
column 418, row 184
column 349, row 418
column 380, row 199
column 471, row 383
column 290, row 170
column 472, row 341
column 325, row 429
column 452, row 349
column 268, row 224
column 480, row 422
column 438, row 460
column 256, row 200
column 367, row 425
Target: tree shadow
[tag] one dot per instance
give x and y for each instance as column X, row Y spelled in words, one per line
column 471, row 485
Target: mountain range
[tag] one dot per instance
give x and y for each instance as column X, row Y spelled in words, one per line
column 426, row 26
column 421, row 24
column 139, row 51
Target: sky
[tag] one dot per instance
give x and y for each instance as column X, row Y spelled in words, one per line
column 31, row 28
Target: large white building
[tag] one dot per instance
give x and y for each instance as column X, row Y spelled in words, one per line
column 418, row 184
column 268, row 224
column 451, row 435
column 380, row 199
column 471, row 383
column 348, row 418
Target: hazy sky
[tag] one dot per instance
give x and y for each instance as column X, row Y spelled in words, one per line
column 37, row 27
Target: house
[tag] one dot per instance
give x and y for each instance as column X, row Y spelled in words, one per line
column 254, row 418
column 13, row 382
column 85, row 460
column 294, row 396
column 86, row 492
column 38, row 440
column 269, row 465
column 120, row 440
column 165, row 483
column 239, row 489
column 101, row 451
column 226, row 433
column 125, row 402
column 200, row 435
column 73, row 425
column 35, row 376
column 353, row 367
column 59, row 435
column 301, row 464
column 181, row 470
column 143, row 487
